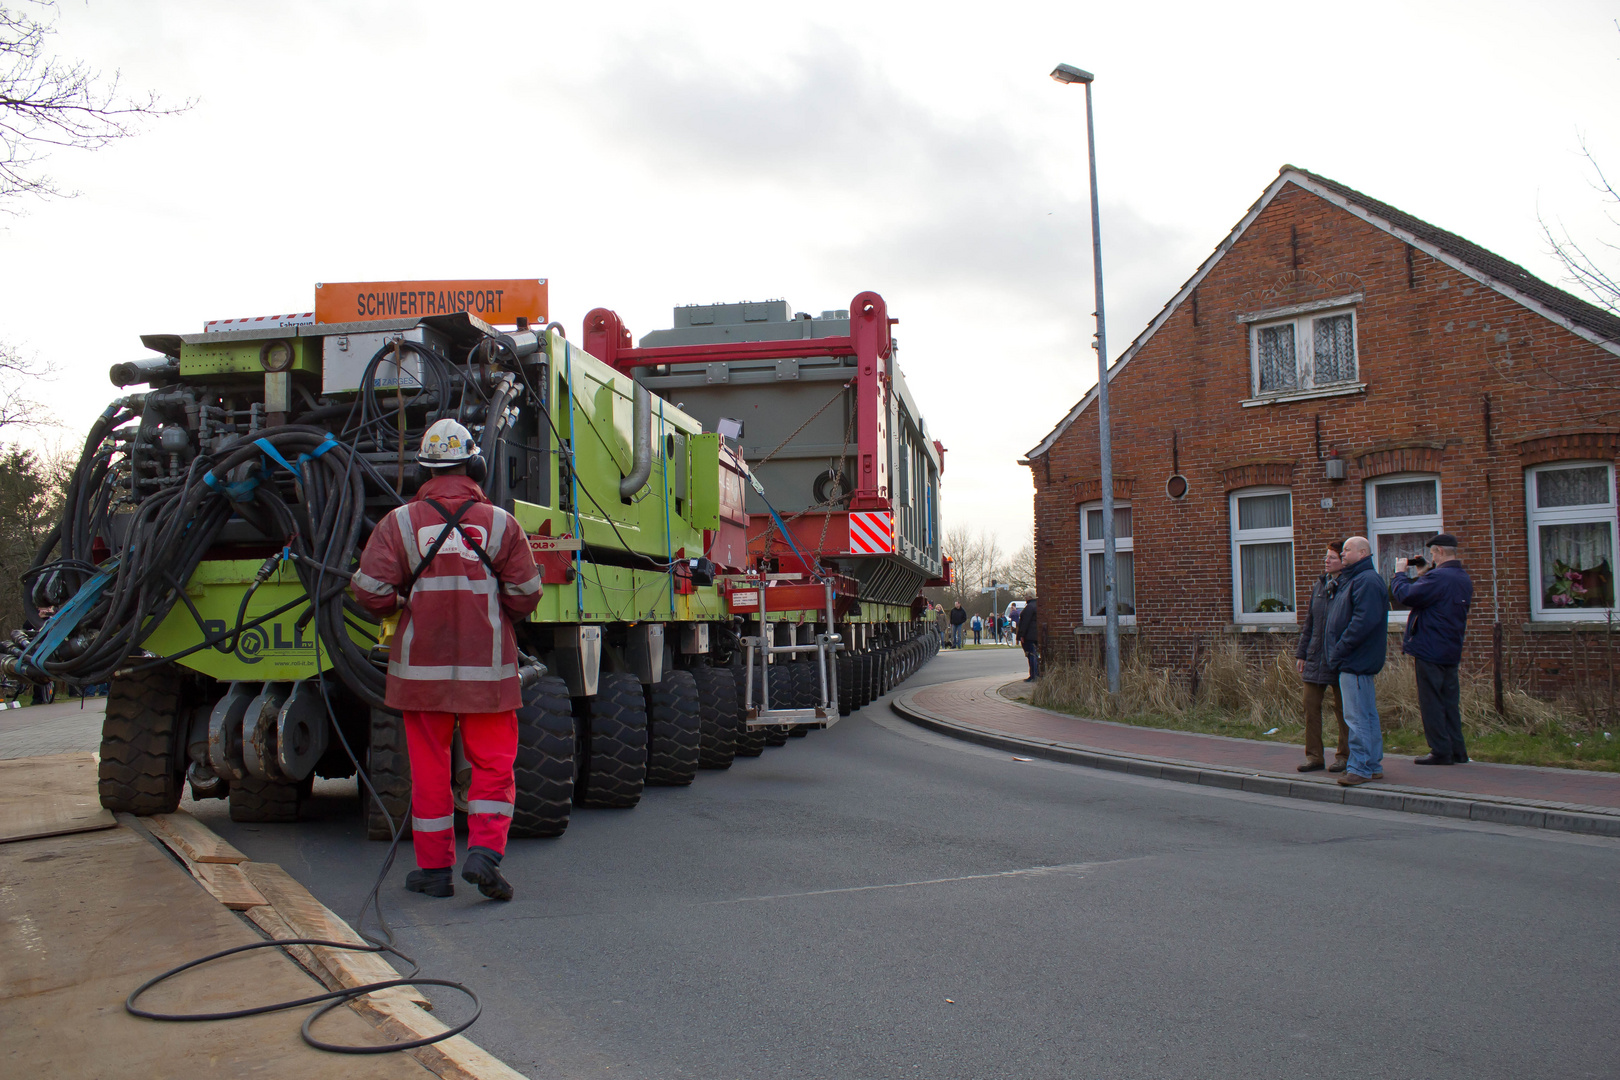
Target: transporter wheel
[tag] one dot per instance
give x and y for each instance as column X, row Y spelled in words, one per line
column 863, row 680
column 253, row 799
column 781, row 695
column 142, row 748
column 388, row 767
column 610, row 732
column 846, row 684
column 674, row 736
column 749, row 742
column 544, row 769
column 717, row 717
column 806, row 692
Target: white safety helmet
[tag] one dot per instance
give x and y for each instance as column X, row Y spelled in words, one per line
column 446, row 443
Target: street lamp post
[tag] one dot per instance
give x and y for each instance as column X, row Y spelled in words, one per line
column 1066, row 74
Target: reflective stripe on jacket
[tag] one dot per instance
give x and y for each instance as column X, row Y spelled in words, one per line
column 454, row 650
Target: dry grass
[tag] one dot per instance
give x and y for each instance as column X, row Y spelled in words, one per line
column 1267, row 694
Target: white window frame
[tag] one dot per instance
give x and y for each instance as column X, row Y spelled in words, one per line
column 1089, row 547
column 1564, row 515
column 1430, row 523
column 1260, row 536
column 1304, row 352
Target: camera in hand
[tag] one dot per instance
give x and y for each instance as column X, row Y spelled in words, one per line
column 1417, row 560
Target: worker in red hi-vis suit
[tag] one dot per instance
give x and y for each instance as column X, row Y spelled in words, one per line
column 460, row 570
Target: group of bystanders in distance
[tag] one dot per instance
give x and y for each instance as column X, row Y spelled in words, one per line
column 1343, row 643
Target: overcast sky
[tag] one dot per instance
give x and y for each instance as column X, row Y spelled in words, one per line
column 642, row 156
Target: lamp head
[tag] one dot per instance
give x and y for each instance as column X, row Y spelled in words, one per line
column 1065, row 73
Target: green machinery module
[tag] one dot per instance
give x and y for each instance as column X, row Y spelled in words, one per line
column 201, row 569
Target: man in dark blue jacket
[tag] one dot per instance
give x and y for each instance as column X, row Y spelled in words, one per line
column 1439, row 600
column 1357, row 641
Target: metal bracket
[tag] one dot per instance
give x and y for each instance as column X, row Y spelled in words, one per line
column 301, row 731
column 225, row 730
column 259, row 731
column 579, row 658
column 644, row 652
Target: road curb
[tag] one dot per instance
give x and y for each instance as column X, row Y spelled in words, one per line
column 284, row 909
column 1563, row 817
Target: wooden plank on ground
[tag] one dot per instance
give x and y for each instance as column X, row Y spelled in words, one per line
column 50, row 796
column 224, row 881
column 196, row 840
column 266, row 918
column 456, row 1058
column 309, row 918
column 228, row 885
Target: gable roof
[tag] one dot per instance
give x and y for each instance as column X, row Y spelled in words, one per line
column 1600, row 327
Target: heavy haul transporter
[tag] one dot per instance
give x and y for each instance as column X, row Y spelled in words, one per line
column 201, row 566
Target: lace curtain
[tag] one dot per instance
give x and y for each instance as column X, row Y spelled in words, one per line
column 1392, row 546
column 1416, row 498
column 1572, row 487
column 1125, row 567
column 1122, row 523
column 1335, row 347
column 1265, row 512
column 1575, row 567
column 1268, row 578
column 1278, row 370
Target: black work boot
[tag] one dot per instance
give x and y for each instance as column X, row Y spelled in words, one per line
column 483, row 869
column 437, row 882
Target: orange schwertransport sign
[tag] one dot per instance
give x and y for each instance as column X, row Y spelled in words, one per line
column 501, row 303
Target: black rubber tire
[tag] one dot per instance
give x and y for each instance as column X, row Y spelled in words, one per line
column 781, row 694
column 141, row 768
column 544, row 769
column 750, row 742
column 388, row 767
column 863, row 680
column 674, row 730
column 806, row 686
column 846, row 684
column 883, row 671
column 717, row 716
column 610, row 732
column 255, row 800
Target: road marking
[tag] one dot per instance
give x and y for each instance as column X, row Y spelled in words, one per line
column 1069, row 869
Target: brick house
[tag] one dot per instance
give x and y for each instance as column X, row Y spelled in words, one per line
column 1338, row 367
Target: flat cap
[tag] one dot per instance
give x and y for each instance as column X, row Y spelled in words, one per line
column 1442, row 540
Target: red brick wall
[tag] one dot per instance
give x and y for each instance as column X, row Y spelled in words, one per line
column 1432, row 343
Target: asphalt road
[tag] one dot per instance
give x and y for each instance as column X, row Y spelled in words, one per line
column 877, row 901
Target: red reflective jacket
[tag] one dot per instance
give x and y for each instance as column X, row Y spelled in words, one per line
column 453, row 652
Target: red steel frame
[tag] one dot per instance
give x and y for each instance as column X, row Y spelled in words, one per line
column 608, row 339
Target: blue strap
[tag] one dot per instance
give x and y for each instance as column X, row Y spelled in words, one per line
column 240, row 491
column 66, row 620
column 319, row 450
column 271, row 452
column 780, row 524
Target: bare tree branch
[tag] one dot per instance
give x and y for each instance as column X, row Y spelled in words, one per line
column 49, row 103
column 19, row 375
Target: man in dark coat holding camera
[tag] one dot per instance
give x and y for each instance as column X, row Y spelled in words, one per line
column 1439, row 598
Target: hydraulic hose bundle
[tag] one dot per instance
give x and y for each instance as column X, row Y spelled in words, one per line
column 321, row 522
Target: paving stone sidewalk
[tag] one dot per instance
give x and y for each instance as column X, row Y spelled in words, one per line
column 978, row 704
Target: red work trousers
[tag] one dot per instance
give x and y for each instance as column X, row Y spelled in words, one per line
column 490, row 743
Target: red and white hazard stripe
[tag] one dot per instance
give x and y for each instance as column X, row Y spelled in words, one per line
column 871, row 532
column 301, row 318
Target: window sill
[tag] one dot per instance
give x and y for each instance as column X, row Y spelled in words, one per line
column 1306, row 395
column 1597, row 625
column 1102, row 628
column 1262, row 628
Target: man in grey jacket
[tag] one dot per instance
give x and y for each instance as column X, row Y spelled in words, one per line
column 1310, row 660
